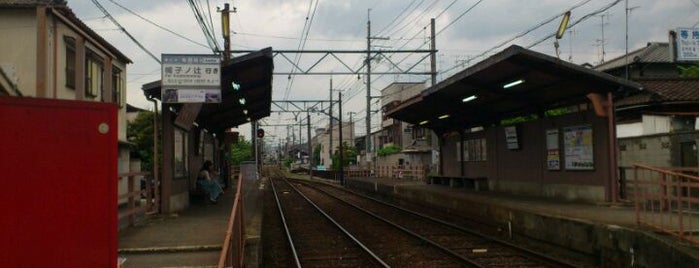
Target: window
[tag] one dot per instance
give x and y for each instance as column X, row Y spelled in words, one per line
column 117, row 86
column 474, row 150
column 93, row 75
column 181, row 154
column 70, row 61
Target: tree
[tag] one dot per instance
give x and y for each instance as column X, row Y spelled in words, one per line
column 241, row 151
column 689, row 71
column 316, row 155
column 140, row 133
column 389, row 150
column 349, row 156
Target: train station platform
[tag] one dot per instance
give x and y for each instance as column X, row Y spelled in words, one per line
column 191, row 238
column 608, row 231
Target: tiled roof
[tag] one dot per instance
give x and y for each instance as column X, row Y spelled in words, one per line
column 29, row 3
column 663, row 91
column 654, row 52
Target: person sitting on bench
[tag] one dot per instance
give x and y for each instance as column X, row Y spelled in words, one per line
column 206, row 182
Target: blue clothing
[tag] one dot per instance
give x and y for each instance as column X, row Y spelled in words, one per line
column 212, row 187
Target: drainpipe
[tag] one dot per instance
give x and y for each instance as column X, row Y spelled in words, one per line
column 155, row 146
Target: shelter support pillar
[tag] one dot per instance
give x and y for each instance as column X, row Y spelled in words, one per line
column 613, row 181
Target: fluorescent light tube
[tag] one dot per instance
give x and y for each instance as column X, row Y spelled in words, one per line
column 513, row 83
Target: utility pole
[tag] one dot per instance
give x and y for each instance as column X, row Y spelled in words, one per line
column 368, row 84
column 433, row 54
column 310, row 147
column 330, row 149
column 225, row 24
column 367, row 139
column 342, row 147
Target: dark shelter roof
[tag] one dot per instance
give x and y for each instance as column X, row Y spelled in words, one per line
column 253, row 72
column 548, row 83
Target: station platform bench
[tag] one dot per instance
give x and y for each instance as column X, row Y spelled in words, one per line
column 476, row 183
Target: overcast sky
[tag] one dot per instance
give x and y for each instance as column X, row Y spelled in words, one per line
column 463, row 37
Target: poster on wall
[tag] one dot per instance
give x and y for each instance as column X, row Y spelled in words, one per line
column 511, row 138
column 553, row 155
column 578, row 148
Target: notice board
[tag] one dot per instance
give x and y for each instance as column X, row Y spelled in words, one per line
column 59, row 183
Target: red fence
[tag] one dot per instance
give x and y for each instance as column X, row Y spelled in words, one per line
column 416, row 172
column 234, row 243
column 134, row 204
column 667, row 200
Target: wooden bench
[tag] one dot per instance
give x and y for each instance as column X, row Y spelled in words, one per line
column 476, row 183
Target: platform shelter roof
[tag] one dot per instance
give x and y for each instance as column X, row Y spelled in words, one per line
column 488, row 91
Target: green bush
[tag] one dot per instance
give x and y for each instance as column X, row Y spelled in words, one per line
column 389, row 150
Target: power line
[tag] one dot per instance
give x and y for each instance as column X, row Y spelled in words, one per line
column 589, row 15
column 106, row 13
column 459, row 17
column 539, row 25
column 157, row 25
column 396, row 18
column 210, row 39
column 445, row 9
column 417, row 18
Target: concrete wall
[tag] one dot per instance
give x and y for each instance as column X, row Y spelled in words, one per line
column 660, row 150
column 19, row 51
column 524, row 170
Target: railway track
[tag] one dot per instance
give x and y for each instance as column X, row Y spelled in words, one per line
column 482, row 250
column 325, row 243
column 383, row 235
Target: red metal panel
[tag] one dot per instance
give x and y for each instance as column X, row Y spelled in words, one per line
column 59, row 176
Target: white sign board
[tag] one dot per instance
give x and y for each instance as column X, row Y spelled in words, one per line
column 578, row 146
column 687, row 44
column 191, row 78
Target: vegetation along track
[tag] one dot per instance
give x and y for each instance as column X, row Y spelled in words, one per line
column 482, row 250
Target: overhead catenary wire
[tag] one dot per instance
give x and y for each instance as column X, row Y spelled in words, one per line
column 302, row 43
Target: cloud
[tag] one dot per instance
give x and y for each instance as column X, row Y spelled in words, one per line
column 342, row 25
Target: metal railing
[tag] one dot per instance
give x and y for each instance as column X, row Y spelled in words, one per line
column 234, row 243
column 667, row 199
column 135, row 205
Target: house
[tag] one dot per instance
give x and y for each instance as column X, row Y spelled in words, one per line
column 662, row 118
column 46, row 51
column 323, row 137
column 415, row 142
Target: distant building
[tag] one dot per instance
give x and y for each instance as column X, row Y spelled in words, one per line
column 656, row 127
column 415, row 142
column 323, row 138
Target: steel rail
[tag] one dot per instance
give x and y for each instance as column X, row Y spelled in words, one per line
column 484, row 236
column 338, row 225
column 286, row 227
column 445, row 223
column 397, row 226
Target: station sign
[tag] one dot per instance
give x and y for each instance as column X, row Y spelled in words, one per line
column 687, row 41
column 191, row 78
